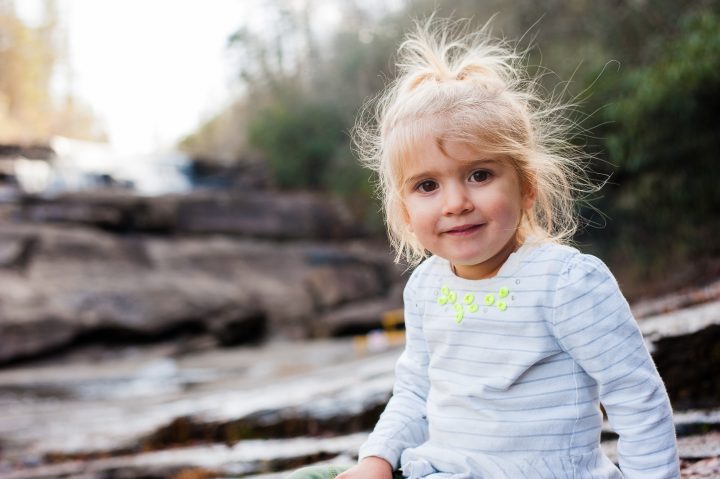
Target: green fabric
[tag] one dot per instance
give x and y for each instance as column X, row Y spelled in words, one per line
column 326, row 472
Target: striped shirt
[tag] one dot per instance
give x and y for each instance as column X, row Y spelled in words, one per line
column 503, row 377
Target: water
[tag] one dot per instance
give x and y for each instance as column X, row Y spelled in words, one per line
column 82, row 165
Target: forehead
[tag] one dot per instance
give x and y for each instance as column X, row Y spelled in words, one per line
column 428, row 144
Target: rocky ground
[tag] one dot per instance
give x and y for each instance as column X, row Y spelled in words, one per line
column 108, row 266
column 207, row 336
column 192, row 411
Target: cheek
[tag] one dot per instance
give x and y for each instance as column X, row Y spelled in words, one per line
column 418, row 216
column 506, row 207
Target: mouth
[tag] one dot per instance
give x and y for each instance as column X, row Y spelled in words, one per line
column 464, row 230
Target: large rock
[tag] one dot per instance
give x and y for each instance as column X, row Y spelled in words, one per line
column 62, row 283
column 255, row 214
column 360, row 316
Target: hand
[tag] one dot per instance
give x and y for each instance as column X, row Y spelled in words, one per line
column 369, row 468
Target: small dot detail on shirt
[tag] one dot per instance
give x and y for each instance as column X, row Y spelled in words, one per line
column 448, row 296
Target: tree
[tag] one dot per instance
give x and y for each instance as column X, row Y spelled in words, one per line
column 28, row 58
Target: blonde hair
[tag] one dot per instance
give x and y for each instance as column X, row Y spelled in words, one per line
column 472, row 88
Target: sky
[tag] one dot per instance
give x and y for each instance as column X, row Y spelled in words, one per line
column 151, row 70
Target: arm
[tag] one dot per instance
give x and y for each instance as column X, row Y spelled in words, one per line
column 403, row 424
column 593, row 323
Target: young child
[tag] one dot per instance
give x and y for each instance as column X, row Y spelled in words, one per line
column 513, row 339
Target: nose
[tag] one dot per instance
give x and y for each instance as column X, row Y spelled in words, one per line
column 456, row 201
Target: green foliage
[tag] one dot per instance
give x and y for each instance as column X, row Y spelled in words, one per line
column 663, row 136
column 298, row 139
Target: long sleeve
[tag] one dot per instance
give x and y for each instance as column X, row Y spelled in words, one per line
column 403, row 424
column 593, row 323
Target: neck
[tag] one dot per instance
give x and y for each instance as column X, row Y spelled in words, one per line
column 489, row 267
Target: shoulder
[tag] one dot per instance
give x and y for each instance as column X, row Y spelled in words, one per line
column 582, row 267
column 566, row 261
column 550, row 259
column 567, row 273
column 585, row 282
column 431, row 267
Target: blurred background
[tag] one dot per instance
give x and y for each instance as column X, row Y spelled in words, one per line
column 194, row 277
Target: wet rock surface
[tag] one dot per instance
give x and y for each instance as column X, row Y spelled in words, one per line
column 190, row 410
column 151, row 408
column 264, row 214
column 67, row 284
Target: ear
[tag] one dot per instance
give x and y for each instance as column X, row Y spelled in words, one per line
column 529, row 196
column 399, row 207
column 406, row 219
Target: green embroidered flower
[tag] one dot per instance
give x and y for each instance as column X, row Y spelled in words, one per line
column 448, row 296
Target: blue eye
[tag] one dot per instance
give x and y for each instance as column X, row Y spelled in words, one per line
column 426, row 186
column 480, row 176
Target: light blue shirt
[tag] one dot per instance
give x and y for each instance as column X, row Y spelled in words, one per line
column 503, row 377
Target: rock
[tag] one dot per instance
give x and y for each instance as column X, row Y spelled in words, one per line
column 685, row 346
column 680, row 322
column 690, row 366
column 200, row 462
column 270, row 276
column 146, row 400
column 256, row 214
column 32, row 151
column 245, row 173
column 703, row 469
column 16, row 251
column 675, row 301
column 268, row 214
column 358, row 317
column 146, row 415
column 335, row 285
column 75, row 282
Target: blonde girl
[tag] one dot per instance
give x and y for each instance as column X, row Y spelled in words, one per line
column 514, row 339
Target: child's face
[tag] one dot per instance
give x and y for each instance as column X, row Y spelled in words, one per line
column 464, row 206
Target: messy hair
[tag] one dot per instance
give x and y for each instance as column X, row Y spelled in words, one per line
column 473, row 88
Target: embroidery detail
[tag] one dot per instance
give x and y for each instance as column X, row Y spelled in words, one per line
column 447, row 296
column 503, row 293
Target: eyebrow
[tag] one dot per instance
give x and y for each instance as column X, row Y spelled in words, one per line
column 471, row 164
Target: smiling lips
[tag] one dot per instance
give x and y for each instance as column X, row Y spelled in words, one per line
column 464, row 230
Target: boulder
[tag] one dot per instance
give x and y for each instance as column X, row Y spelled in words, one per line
column 359, row 317
column 62, row 283
column 255, row 214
